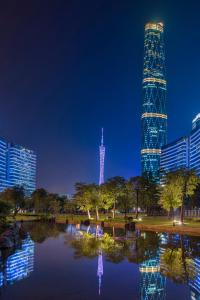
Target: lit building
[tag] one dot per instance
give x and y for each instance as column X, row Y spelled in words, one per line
column 195, row 145
column 195, row 283
column 17, row 167
column 153, row 284
column 21, row 167
column 19, row 265
column 183, row 153
column 154, row 116
column 174, row 156
column 102, row 160
column 3, row 164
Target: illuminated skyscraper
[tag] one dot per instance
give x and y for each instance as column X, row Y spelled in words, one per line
column 18, row 265
column 17, row 167
column 154, row 117
column 102, row 159
column 153, row 284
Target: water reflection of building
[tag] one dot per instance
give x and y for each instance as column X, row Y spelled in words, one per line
column 19, row 265
column 195, row 283
column 153, row 284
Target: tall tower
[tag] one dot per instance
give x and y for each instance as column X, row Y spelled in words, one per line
column 154, row 116
column 102, row 159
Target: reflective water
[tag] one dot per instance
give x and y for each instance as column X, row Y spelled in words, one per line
column 78, row 262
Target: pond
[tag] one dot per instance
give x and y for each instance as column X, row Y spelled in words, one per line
column 79, row 263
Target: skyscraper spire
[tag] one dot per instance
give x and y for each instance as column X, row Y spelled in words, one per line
column 102, row 158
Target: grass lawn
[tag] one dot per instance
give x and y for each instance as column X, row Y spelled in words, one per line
column 155, row 220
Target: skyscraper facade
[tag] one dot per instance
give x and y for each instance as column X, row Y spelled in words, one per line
column 102, row 160
column 17, row 167
column 21, row 167
column 154, row 116
column 174, row 156
column 184, row 152
column 195, row 145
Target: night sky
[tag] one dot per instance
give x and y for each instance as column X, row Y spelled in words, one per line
column 67, row 68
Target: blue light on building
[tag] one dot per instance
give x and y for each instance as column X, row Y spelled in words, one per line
column 175, row 155
column 20, row 264
column 153, row 284
column 195, row 283
column 3, row 164
column 195, row 145
column 183, row 153
column 17, row 167
column 154, row 117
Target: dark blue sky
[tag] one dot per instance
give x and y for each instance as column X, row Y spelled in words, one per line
column 67, row 68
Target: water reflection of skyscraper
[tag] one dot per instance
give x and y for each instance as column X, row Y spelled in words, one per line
column 153, row 284
column 18, row 265
column 195, row 283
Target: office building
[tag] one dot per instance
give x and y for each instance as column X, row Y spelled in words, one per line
column 184, row 152
column 154, row 116
column 175, row 155
column 195, row 145
column 17, row 167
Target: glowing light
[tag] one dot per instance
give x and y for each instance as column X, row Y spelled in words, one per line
column 154, row 26
column 153, row 79
column 150, row 269
column 154, row 115
column 151, row 151
column 102, row 159
column 196, row 118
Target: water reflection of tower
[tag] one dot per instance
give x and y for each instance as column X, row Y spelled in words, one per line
column 100, row 269
column 19, row 265
column 102, row 159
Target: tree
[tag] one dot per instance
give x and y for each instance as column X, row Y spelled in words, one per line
column 54, row 207
column 195, row 198
column 40, row 201
column 176, row 266
column 106, row 197
column 125, row 200
column 115, row 186
column 5, row 208
column 141, row 191
column 15, row 197
column 170, row 196
column 185, row 182
column 82, row 198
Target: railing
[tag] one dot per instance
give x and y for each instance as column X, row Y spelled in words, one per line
column 193, row 213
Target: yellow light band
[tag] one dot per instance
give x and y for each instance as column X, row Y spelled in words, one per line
column 153, row 79
column 151, row 151
column 149, row 269
column 154, row 115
